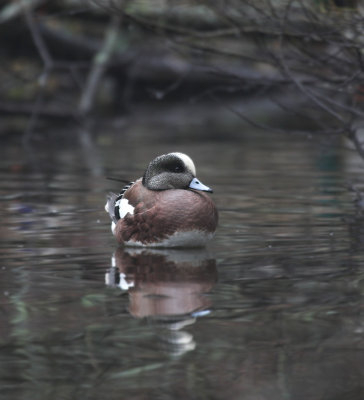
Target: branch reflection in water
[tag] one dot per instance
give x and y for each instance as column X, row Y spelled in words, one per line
column 170, row 287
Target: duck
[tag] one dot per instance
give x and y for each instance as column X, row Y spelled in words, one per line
column 167, row 207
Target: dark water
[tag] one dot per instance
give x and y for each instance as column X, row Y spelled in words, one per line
column 272, row 309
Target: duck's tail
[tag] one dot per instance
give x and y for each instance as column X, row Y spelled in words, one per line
column 110, row 206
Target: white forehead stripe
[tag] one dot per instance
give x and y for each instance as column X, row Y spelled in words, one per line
column 187, row 161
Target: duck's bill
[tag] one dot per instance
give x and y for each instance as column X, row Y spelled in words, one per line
column 197, row 185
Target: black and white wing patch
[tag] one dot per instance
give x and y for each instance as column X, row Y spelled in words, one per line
column 116, row 206
column 125, row 188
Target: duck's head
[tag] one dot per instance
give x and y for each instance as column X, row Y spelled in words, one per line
column 172, row 171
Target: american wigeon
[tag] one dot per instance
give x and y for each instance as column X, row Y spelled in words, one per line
column 167, row 207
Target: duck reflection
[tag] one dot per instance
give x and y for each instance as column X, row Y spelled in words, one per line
column 167, row 286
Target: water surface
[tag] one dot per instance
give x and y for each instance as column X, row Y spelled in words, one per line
column 272, row 309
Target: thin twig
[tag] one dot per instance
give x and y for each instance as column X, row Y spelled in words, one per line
column 36, row 36
column 100, row 62
column 265, row 127
column 353, row 136
column 47, row 66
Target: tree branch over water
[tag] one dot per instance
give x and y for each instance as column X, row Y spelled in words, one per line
column 317, row 50
column 305, row 56
column 99, row 65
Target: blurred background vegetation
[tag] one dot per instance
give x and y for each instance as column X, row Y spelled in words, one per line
column 68, row 60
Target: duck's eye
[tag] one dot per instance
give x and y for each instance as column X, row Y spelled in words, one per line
column 174, row 166
column 178, row 168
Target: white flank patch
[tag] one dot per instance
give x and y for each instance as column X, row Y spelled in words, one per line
column 123, row 283
column 187, row 161
column 194, row 256
column 179, row 239
column 124, row 207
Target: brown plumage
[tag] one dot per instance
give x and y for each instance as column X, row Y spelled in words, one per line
column 159, row 214
column 171, row 217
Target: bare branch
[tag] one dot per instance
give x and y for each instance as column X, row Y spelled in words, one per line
column 37, row 37
column 101, row 60
column 47, row 61
column 15, row 8
column 353, row 136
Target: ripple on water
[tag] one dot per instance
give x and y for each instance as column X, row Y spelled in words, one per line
column 274, row 302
